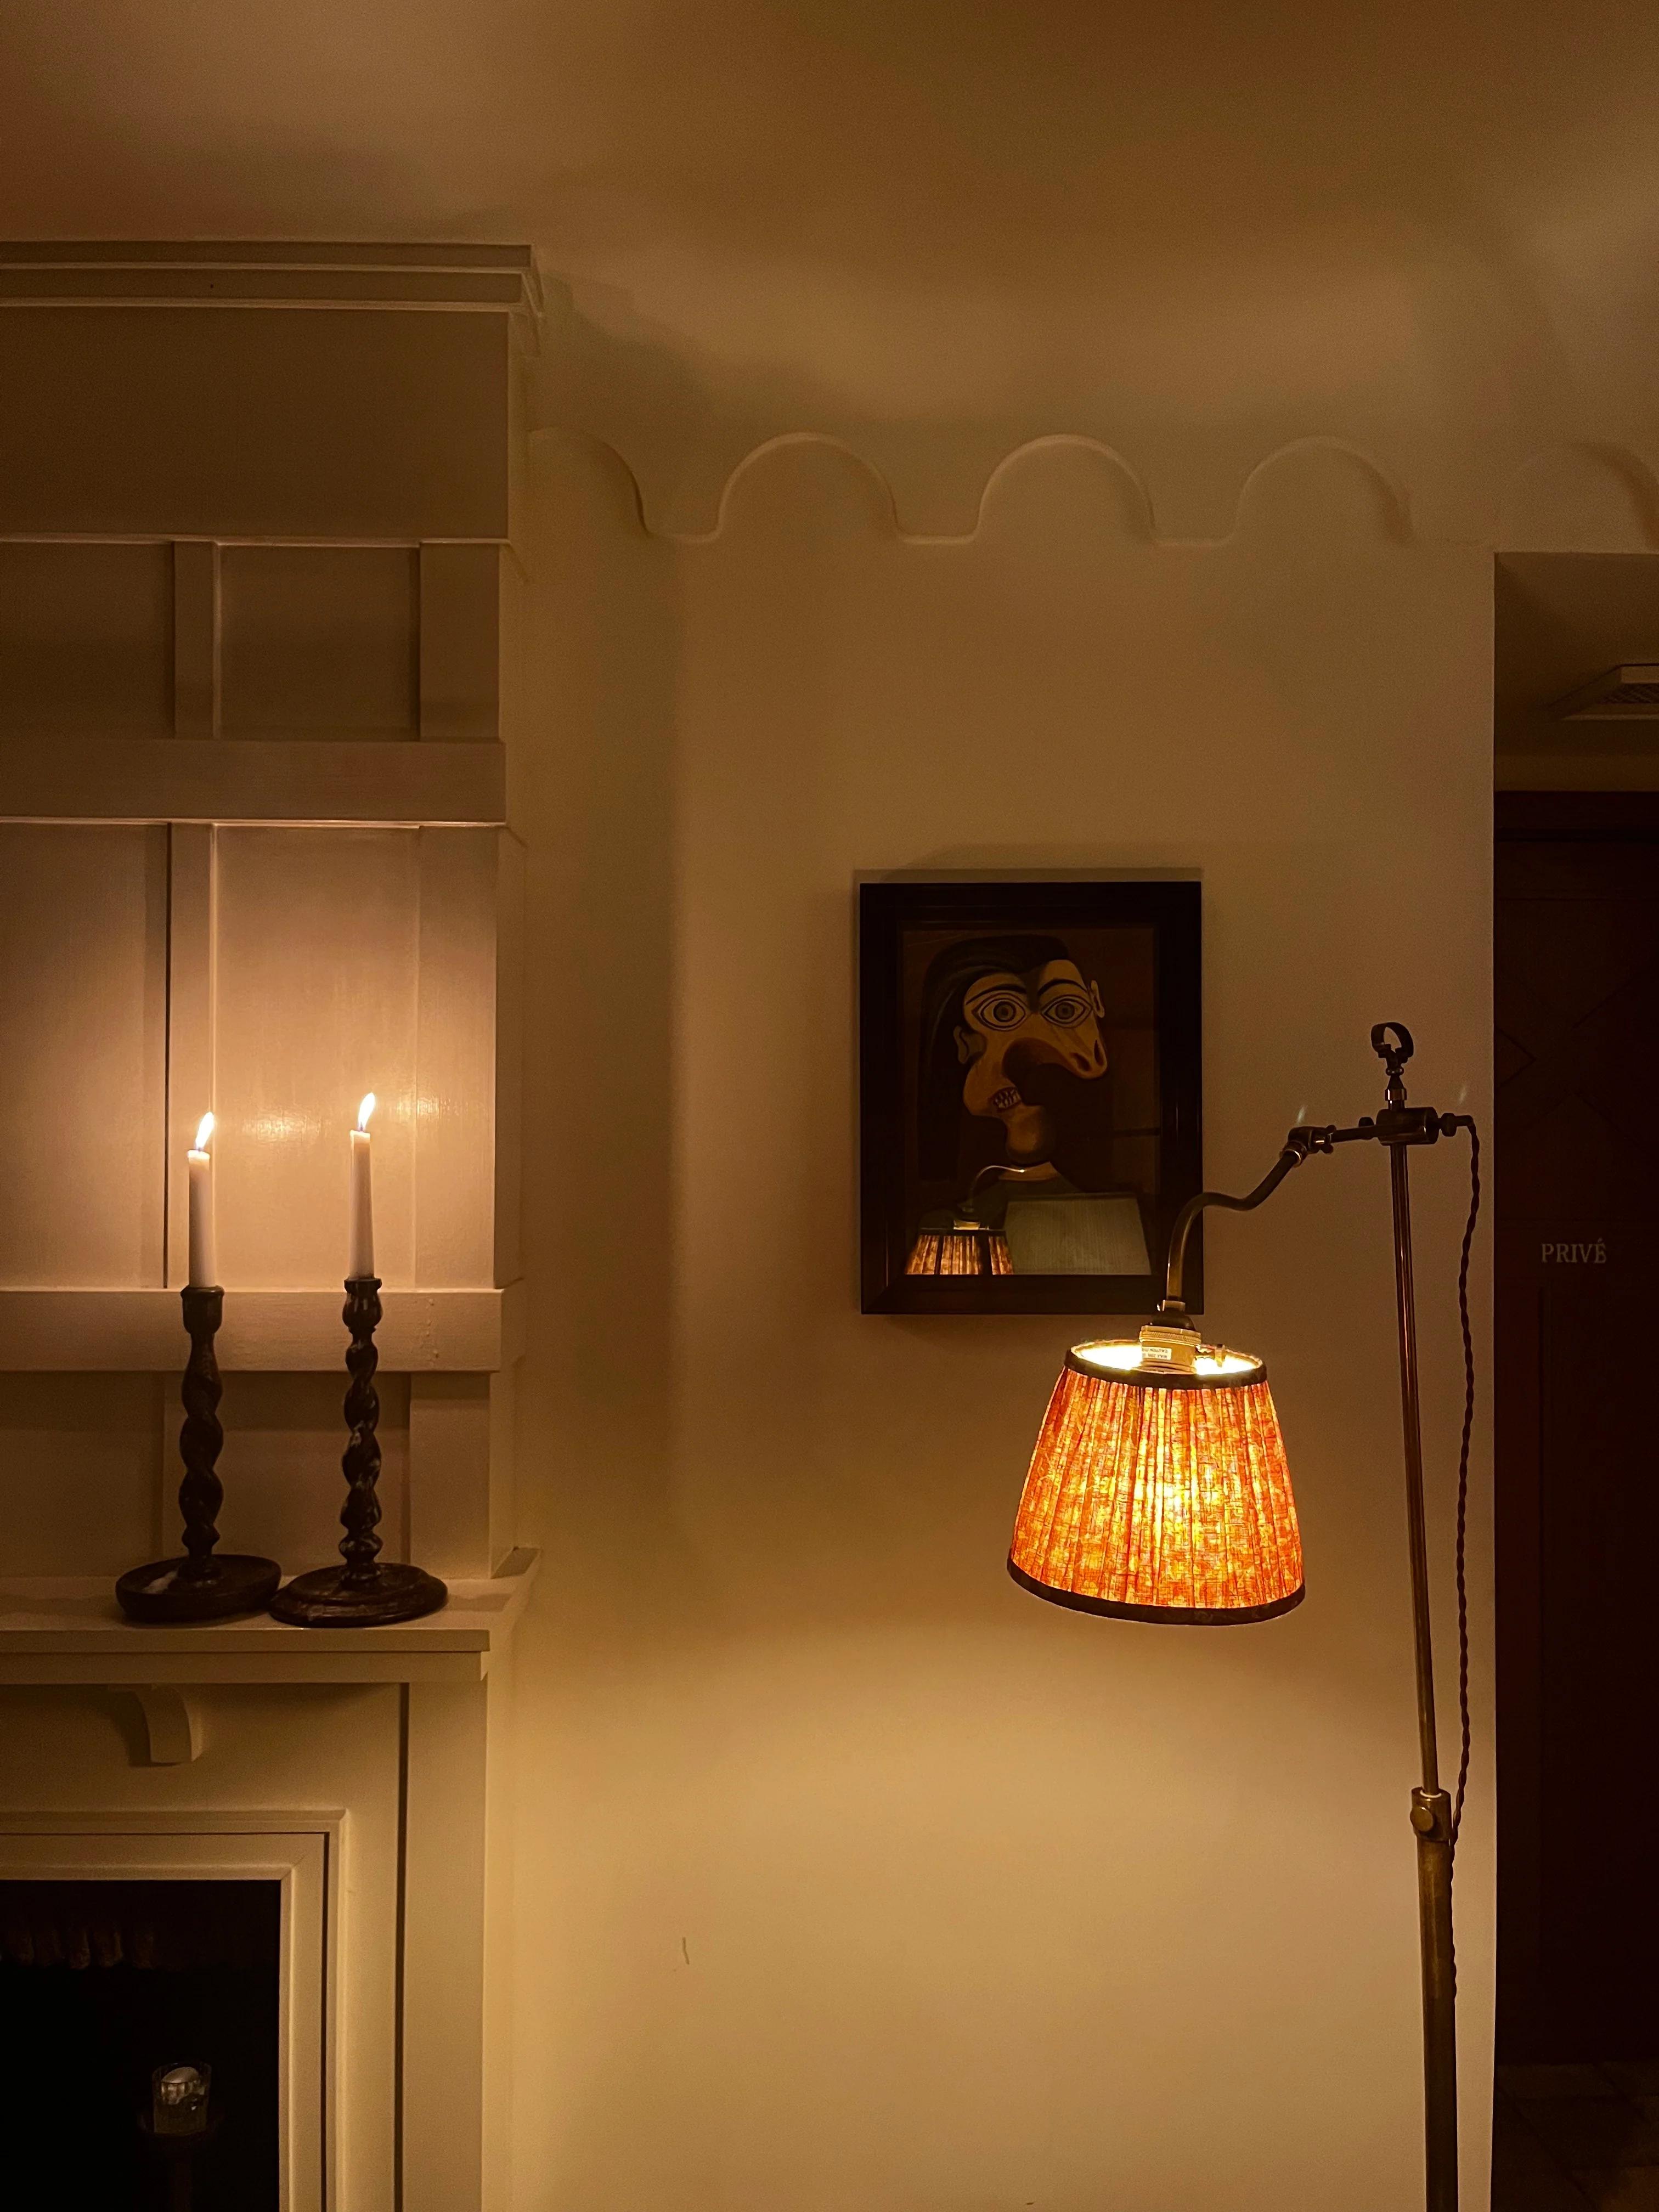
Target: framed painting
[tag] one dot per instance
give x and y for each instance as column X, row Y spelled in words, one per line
column 1028, row 1094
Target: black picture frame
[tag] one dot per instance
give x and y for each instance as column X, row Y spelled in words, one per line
column 896, row 918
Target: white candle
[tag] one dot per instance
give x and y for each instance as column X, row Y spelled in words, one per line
column 361, row 1262
column 204, row 1250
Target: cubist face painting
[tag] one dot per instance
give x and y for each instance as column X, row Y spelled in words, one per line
column 1013, row 1023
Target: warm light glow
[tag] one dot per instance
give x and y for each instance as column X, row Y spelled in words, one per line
column 1158, row 1495
column 204, row 1130
column 1124, row 1357
column 364, row 1111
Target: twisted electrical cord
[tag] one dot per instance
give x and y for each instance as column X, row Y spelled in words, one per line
column 1463, row 1484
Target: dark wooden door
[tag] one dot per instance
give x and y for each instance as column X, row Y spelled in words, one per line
column 1577, row 985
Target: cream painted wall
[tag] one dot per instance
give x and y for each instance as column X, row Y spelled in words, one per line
column 848, row 1875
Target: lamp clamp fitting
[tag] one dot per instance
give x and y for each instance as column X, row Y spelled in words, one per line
column 1431, row 1811
column 1306, row 1139
column 1407, row 1125
column 1392, row 1044
column 1171, row 1341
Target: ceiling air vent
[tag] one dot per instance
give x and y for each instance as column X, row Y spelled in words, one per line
column 1627, row 694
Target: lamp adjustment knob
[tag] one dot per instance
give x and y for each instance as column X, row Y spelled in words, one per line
column 1431, row 1814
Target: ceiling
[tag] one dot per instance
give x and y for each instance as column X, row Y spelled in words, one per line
column 1558, row 620
column 1393, row 222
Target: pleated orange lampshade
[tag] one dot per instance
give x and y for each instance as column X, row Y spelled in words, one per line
column 965, row 1249
column 1158, row 1493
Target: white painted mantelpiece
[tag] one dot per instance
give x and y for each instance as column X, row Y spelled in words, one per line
column 257, row 583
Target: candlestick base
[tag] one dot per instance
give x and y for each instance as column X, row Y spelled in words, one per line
column 330, row 1598
column 168, row 1590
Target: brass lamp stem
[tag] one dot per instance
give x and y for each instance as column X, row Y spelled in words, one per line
column 1412, row 1425
column 1431, row 1812
column 1400, row 1127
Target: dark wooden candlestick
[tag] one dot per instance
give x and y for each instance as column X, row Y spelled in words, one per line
column 205, row 1584
column 365, row 1593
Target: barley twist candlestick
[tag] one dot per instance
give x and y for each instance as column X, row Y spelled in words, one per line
column 361, row 1516
column 365, row 1593
column 204, row 1585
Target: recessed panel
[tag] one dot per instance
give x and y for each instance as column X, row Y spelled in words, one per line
column 455, row 1196
column 284, row 1435
column 87, row 1451
column 82, row 1033
column 461, row 643
column 86, row 639
column 250, row 424
column 315, row 1003
column 318, row 641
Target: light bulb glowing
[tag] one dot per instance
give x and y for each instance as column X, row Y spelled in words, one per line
column 1125, row 1359
column 204, row 1130
column 364, row 1111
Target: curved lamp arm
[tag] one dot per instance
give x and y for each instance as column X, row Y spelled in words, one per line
column 1397, row 1124
column 1298, row 1146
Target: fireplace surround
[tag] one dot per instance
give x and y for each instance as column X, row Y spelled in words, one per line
column 143, row 2021
column 242, row 1985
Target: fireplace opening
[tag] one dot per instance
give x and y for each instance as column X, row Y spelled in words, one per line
column 139, row 2025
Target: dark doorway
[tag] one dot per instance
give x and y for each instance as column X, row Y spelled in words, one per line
column 100, row 1984
column 1576, row 988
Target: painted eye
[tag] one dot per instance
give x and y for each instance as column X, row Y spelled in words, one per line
column 1002, row 1011
column 1067, row 1011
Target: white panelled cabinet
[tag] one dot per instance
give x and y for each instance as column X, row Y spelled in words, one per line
column 256, row 537
column 252, row 845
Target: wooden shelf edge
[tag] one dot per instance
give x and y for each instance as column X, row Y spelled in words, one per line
column 294, row 780
column 283, row 1332
column 70, row 1633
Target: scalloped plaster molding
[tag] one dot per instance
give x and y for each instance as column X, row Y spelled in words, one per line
column 1571, row 497
column 1581, row 498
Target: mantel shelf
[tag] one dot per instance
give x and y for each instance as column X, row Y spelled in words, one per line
column 67, row 1633
column 140, row 1332
column 296, row 780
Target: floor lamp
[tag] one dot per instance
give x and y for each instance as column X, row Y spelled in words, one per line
column 1159, row 1492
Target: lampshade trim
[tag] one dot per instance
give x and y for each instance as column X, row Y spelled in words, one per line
column 1163, row 1616
column 1165, row 1379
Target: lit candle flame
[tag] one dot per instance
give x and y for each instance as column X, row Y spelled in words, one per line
column 204, row 1130
column 365, row 1111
